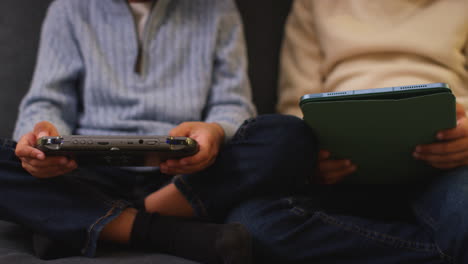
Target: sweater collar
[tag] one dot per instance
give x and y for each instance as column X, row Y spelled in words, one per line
column 122, row 6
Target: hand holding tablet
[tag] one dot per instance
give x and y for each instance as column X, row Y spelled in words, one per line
column 379, row 129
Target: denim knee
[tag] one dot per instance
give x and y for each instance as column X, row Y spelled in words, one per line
column 285, row 126
column 443, row 207
column 285, row 137
column 289, row 144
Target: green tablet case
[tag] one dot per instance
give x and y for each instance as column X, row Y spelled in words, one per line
column 379, row 134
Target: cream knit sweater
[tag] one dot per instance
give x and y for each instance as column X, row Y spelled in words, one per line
column 336, row 45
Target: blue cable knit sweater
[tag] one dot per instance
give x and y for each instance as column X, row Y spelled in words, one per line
column 193, row 69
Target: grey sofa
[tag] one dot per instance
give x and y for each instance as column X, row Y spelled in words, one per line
column 20, row 22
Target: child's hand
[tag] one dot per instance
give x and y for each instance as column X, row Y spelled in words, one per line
column 332, row 171
column 34, row 161
column 452, row 151
column 209, row 137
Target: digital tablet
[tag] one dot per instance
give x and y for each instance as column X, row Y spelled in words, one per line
column 395, row 92
column 118, row 150
column 378, row 129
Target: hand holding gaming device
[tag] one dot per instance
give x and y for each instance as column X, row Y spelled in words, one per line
column 118, row 150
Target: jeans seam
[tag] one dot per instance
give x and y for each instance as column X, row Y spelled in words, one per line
column 443, row 255
column 298, row 211
column 189, row 194
column 427, row 218
column 432, row 224
column 115, row 205
column 377, row 236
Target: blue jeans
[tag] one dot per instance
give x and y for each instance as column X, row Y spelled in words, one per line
column 362, row 224
column 72, row 209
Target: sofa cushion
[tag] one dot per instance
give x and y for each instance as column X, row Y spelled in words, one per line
column 20, row 22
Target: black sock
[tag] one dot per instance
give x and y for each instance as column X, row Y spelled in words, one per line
column 200, row 241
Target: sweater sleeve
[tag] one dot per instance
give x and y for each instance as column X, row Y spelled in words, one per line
column 53, row 93
column 300, row 59
column 230, row 100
